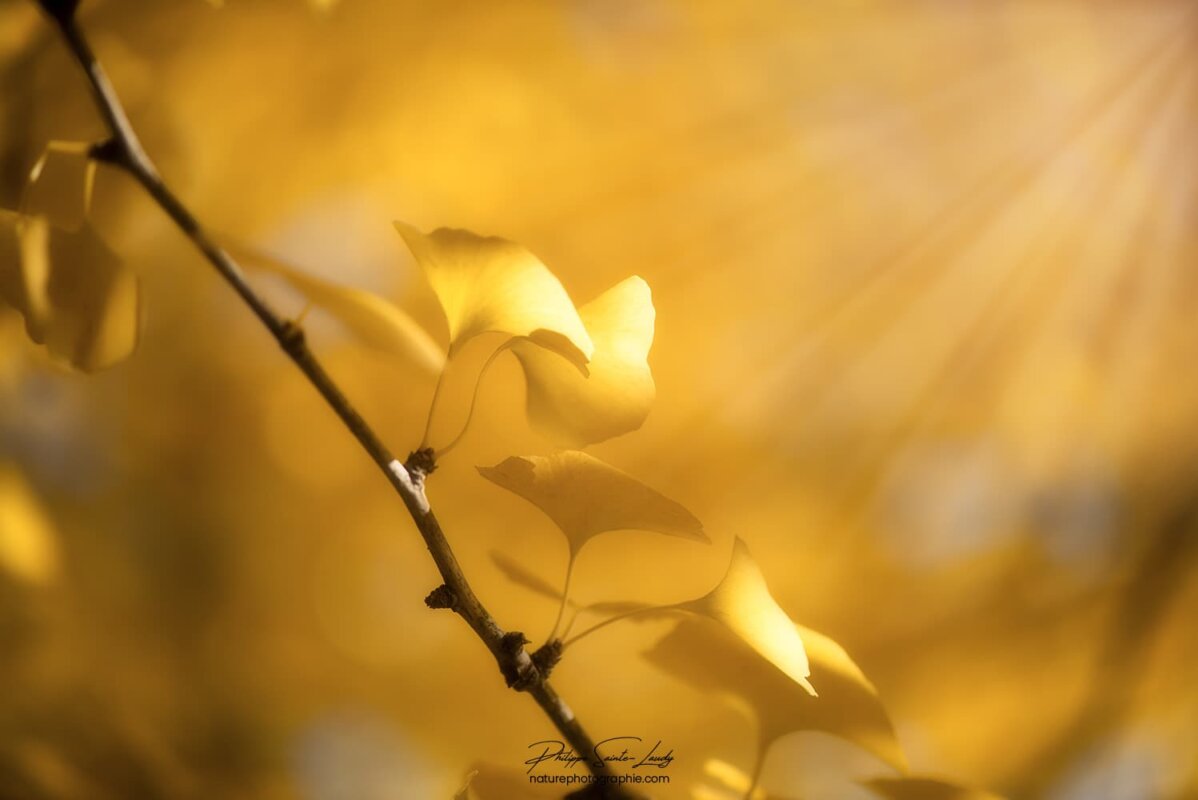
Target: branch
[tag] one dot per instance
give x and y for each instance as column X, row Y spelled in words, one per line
column 124, row 150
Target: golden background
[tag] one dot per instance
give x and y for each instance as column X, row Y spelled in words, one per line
column 925, row 339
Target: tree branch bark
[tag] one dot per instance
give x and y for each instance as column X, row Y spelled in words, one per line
column 125, row 151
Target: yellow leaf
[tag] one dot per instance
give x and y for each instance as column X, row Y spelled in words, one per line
column 33, row 266
column 28, row 549
column 586, row 497
column 913, row 788
column 376, row 322
column 60, row 185
column 20, row 284
column 711, row 659
column 743, row 603
column 490, row 284
column 575, row 410
column 84, row 302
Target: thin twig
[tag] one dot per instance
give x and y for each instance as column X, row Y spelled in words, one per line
column 125, row 151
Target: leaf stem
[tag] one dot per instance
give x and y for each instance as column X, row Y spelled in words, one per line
column 124, row 150
column 561, row 609
column 755, row 777
column 432, row 404
column 503, row 348
column 634, row 612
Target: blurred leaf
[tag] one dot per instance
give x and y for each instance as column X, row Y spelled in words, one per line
column 60, row 185
column 924, row 789
column 724, row 781
column 742, row 602
column 517, row 574
column 576, row 410
column 375, row 321
column 28, row 548
column 520, row 576
column 586, row 497
column 77, row 297
column 490, row 284
column 706, row 657
column 93, row 302
column 20, row 284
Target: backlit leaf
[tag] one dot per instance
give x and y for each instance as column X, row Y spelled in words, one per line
column 490, row 284
column 924, row 789
column 77, row 296
column 711, row 659
column 60, row 185
column 373, row 320
column 586, row 497
column 742, row 602
column 575, row 410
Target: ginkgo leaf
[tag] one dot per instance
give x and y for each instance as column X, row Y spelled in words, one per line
column 28, row 548
column 490, row 284
column 711, row 659
column 743, row 603
column 372, row 319
column 60, row 185
column 586, row 497
column 78, row 297
column 916, row 788
column 575, row 410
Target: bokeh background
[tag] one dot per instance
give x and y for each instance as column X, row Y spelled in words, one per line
column 926, row 335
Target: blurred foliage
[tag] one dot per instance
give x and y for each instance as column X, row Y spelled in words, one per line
column 923, row 336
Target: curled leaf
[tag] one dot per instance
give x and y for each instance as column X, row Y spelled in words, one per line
column 77, row 297
column 490, row 284
column 707, row 657
column 914, row 788
column 60, row 185
column 742, row 602
column 575, row 410
column 373, row 320
column 586, row 497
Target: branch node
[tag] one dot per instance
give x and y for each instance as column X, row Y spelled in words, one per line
column 421, row 463
column 291, row 336
column 547, row 657
column 518, row 670
column 110, row 151
column 442, row 597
